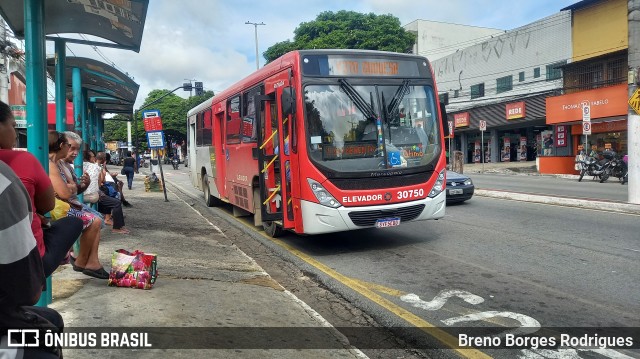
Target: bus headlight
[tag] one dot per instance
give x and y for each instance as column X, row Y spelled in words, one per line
column 438, row 187
column 322, row 195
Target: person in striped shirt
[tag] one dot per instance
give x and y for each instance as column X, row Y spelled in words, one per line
column 21, row 272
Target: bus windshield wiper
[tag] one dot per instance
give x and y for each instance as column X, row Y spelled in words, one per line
column 394, row 104
column 361, row 104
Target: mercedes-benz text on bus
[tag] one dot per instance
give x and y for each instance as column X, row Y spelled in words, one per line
column 322, row 141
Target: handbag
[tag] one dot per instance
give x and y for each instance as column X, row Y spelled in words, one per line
column 60, row 210
column 133, row 269
column 122, row 172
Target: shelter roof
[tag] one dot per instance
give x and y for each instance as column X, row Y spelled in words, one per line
column 107, row 87
column 118, row 21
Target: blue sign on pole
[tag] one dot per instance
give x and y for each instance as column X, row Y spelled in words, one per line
column 155, row 139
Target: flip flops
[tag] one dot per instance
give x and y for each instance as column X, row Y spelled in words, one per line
column 96, row 273
column 73, row 264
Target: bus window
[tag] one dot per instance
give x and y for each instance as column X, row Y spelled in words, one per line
column 199, row 129
column 249, row 130
column 233, row 121
column 207, row 129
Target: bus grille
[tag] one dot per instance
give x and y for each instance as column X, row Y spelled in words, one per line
column 369, row 218
column 381, row 182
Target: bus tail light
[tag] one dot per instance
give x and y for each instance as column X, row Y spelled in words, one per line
column 438, row 187
column 323, row 196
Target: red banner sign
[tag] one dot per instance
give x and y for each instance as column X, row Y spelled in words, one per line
column 153, row 124
column 461, row 119
column 515, row 110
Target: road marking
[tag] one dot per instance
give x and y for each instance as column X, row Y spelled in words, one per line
column 442, row 336
column 441, row 299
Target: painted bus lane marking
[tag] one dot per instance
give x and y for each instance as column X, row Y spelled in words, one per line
column 368, row 290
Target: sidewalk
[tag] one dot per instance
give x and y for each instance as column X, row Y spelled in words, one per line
column 202, row 283
column 528, row 168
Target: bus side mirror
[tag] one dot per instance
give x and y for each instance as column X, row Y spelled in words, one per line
column 443, row 118
column 288, row 101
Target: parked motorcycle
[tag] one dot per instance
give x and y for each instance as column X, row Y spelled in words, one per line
column 590, row 166
column 617, row 168
column 175, row 162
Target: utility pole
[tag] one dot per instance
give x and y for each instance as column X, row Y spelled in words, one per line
column 633, row 119
column 4, row 65
column 255, row 25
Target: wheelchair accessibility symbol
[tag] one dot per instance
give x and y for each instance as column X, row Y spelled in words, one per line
column 394, row 158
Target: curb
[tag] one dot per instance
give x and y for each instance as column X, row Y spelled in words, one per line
column 585, row 203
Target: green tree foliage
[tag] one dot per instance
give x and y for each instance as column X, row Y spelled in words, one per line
column 347, row 30
column 173, row 110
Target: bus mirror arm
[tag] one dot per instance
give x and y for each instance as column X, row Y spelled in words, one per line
column 443, row 118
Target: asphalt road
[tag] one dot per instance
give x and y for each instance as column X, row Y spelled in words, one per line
column 488, row 263
column 550, row 185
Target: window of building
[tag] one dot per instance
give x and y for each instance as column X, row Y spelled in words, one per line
column 504, row 84
column 554, row 71
column 477, row 91
column 536, row 72
column 596, row 73
column 521, row 76
column 456, row 93
column 444, row 98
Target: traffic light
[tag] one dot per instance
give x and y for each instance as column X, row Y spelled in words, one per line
column 199, row 89
column 187, row 86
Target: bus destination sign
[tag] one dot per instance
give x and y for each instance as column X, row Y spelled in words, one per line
column 339, row 65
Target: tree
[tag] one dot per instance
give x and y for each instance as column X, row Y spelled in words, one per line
column 173, row 110
column 347, row 30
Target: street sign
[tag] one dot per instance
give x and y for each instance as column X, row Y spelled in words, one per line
column 586, row 112
column 586, row 128
column 20, row 115
column 152, row 120
column 483, row 125
column 155, row 139
column 450, row 128
column 634, row 101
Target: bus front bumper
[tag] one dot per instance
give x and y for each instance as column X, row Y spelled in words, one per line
column 319, row 219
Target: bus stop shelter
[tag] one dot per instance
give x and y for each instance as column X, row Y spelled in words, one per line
column 119, row 23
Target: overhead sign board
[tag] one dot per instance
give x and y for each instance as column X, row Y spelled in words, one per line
column 152, row 120
column 155, row 139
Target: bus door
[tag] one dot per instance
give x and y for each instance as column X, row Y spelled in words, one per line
column 274, row 153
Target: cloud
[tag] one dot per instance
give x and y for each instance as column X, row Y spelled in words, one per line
column 210, row 42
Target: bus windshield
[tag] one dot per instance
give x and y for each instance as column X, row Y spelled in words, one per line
column 365, row 128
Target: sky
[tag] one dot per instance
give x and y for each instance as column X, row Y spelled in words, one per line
column 208, row 40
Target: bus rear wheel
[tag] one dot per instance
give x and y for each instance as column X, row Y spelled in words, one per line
column 272, row 229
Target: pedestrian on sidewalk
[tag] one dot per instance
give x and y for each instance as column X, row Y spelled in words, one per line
column 129, row 168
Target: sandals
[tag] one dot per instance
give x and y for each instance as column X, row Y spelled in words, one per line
column 121, row 231
column 76, row 268
column 96, row 273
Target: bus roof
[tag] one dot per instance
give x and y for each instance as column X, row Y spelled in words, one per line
column 285, row 61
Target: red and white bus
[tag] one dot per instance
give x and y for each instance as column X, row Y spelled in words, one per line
column 363, row 142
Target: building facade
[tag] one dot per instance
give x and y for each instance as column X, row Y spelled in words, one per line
column 504, row 82
column 597, row 76
column 435, row 39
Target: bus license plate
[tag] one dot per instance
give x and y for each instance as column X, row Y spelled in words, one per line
column 387, row 222
column 455, row 191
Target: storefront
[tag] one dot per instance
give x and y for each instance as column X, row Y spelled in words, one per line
column 608, row 107
column 512, row 131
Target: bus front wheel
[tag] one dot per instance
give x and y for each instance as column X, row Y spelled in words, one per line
column 272, row 229
column 209, row 200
